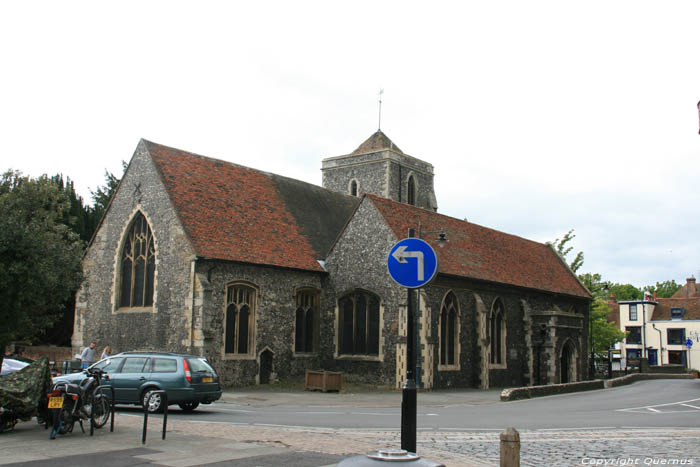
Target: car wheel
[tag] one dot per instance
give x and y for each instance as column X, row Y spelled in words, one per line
column 188, row 406
column 156, row 402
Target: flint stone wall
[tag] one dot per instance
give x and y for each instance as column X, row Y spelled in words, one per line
column 164, row 326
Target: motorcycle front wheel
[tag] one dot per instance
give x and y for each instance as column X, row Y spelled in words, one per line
column 102, row 409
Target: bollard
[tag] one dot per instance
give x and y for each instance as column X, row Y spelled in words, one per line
column 510, row 448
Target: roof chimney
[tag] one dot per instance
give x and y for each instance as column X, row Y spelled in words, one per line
column 690, row 285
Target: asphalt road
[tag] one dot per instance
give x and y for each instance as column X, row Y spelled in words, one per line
column 655, row 403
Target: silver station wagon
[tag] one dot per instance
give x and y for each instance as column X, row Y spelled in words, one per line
column 188, row 380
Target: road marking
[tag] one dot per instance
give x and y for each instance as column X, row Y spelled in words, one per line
column 214, row 410
column 578, row 428
column 469, row 430
column 692, row 406
column 652, row 409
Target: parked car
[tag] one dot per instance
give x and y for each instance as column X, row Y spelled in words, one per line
column 187, row 379
column 10, row 365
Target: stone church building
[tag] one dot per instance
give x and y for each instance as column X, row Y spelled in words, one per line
column 268, row 276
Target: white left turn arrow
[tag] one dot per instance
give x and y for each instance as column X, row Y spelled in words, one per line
column 400, row 255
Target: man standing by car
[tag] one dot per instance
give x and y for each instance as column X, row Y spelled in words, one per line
column 87, row 358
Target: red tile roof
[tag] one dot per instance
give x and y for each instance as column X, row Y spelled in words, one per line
column 235, row 213
column 662, row 311
column 480, row 253
column 689, row 290
column 377, row 142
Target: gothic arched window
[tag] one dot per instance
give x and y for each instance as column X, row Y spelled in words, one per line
column 359, row 324
column 411, row 191
column 498, row 334
column 307, row 317
column 353, row 188
column 239, row 322
column 138, row 266
column 449, row 330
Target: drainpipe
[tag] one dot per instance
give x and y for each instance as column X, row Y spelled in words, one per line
column 661, row 346
column 644, row 334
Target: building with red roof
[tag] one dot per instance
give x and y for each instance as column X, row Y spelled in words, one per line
column 660, row 329
column 268, row 276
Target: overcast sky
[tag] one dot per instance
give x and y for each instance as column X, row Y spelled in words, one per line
column 538, row 117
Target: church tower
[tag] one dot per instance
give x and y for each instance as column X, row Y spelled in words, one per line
column 379, row 167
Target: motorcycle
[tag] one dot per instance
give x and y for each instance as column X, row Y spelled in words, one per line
column 70, row 403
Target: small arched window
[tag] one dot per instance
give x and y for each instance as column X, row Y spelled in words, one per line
column 138, row 265
column 307, row 317
column 497, row 334
column 239, row 320
column 353, row 188
column 411, row 191
column 449, row 330
column 359, row 323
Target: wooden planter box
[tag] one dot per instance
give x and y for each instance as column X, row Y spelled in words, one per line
column 321, row 380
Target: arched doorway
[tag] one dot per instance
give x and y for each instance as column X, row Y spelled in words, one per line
column 566, row 363
column 266, row 358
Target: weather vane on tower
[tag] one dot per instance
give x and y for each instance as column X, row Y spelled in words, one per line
column 379, row 127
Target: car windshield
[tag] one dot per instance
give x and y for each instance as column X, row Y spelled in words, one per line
column 199, row 365
column 108, row 365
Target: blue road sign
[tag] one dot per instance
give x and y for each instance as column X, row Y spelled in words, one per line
column 689, row 343
column 412, row 263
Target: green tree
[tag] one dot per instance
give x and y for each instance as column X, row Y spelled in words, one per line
column 594, row 284
column 560, row 246
column 39, row 256
column 625, row 292
column 664, row 289
column 605, row 332
column 103, row 194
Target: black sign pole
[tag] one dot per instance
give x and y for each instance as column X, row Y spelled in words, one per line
column 409, row 393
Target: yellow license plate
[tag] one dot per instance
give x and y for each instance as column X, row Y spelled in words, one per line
column 55, row 402
column 207, row 380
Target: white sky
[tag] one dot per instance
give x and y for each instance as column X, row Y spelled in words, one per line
column 538, row 117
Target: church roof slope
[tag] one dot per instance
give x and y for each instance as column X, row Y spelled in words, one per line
column 236, row 213
column 377, row 142
column 481, row 253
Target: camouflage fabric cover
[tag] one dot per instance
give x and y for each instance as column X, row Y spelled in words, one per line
column 24, row 391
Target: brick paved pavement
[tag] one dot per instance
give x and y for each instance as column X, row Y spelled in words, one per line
column 561, row 448
column 470, row 448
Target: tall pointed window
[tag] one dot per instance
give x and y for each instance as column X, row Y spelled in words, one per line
column 497, row 334
column 307, row 317
column 449, row 330
column 353, row 188
column 239, row 322
column 411, row 191
column 138, row 266
column 359, row 324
